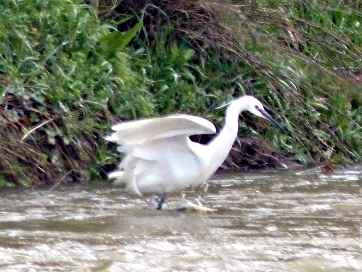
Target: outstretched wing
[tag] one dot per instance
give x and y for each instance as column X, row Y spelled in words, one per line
column 141, row 131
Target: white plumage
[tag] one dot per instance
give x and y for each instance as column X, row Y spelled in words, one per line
column 160, row 158
column 137, row 132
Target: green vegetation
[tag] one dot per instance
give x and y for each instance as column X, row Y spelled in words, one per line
column 67, row 73
column 60, row 84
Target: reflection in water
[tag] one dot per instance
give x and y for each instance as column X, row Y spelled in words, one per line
column 275, row 221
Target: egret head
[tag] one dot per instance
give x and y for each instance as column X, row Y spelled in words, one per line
column 254, row 106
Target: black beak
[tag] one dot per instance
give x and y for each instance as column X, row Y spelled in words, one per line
column 268, row 117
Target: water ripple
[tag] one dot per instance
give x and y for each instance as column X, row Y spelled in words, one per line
column 269, row 221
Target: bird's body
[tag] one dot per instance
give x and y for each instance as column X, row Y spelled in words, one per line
column 163, row 164
column 180, row 165
column 160, row 158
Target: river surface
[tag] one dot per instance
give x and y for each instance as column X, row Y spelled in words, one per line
column 266, row 221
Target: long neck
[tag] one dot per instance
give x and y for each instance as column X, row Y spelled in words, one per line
column 219, row 148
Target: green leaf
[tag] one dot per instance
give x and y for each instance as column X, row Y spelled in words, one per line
column 188, row 54
column 115, row 41
column 3, row 182
column 2, row 93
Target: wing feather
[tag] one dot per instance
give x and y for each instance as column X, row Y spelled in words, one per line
column 141, row 131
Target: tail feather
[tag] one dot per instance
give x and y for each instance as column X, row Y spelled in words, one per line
column 112, row 138
column 118, row 176
column 120, row 179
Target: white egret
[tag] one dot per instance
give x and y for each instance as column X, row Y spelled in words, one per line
column 160, row 158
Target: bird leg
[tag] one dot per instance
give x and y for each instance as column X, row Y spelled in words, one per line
column 160, row 199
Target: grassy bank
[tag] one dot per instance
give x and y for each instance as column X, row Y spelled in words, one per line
column 68, row 71
column 61, row 85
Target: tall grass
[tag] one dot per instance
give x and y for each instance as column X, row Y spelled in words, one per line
column 302, row 58
column 60, row 83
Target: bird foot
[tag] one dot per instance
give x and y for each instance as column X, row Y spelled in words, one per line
column 160, row 201
column 190, row 206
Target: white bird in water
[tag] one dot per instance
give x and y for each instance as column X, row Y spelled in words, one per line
column 160, row 158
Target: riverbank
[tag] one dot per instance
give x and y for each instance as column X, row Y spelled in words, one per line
column 68, row 71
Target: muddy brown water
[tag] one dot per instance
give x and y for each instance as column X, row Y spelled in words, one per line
column 266, row 221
